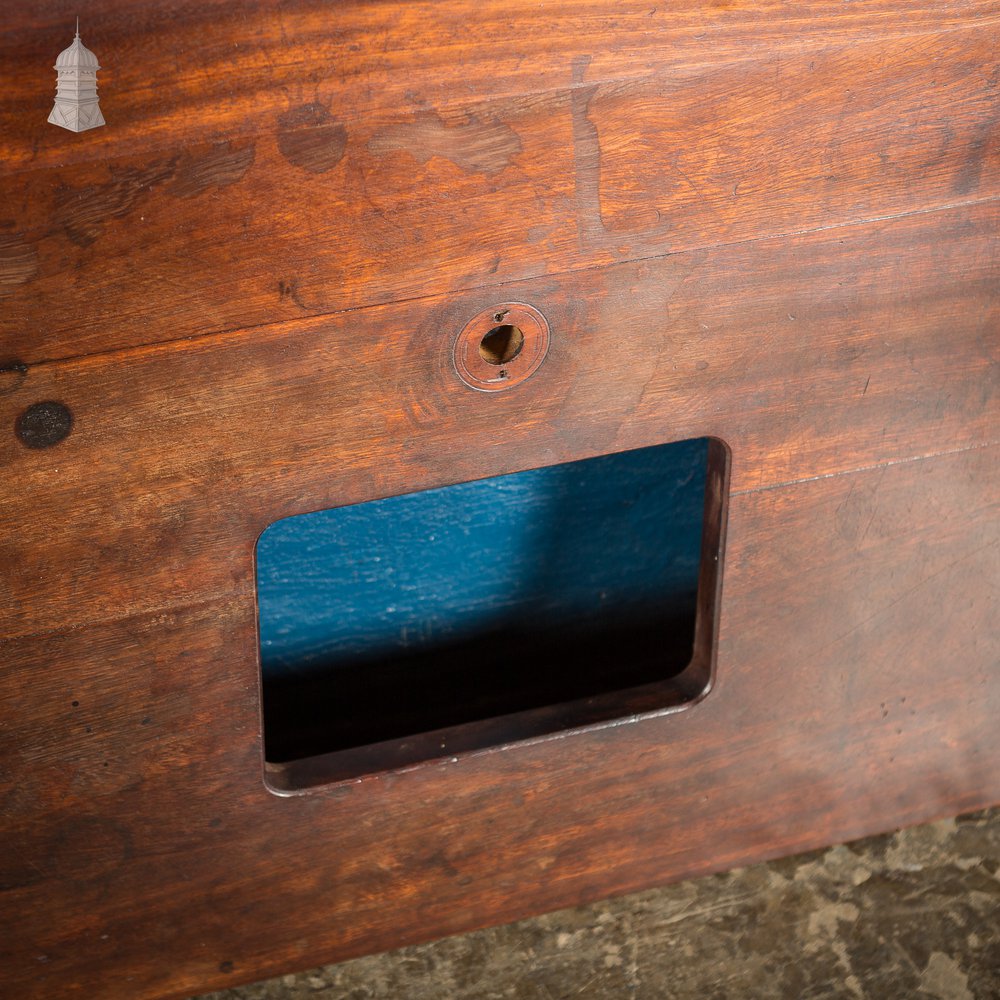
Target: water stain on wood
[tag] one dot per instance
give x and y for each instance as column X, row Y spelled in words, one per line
column 984, row 148
column 131, row 544
column 592, row 226
column 89, row 848
column 82, row 212
column 586, row 157
column 223, row 165
column 290, row 290
column 310, row 138
column 475, row 146
column 18, row 263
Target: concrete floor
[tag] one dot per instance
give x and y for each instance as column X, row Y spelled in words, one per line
column 914, row 915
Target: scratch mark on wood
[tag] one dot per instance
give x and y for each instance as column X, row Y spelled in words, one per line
column 903, row 596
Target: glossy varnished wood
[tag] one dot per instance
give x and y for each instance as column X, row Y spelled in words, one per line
column 773, row 226
column 599, row 154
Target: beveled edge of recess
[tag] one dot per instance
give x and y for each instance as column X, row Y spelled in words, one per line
column 549, row 722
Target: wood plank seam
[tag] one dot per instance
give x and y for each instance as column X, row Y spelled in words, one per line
column 889, row 463
column 139, row 350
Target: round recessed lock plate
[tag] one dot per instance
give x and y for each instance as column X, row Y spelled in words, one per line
column 501, row 346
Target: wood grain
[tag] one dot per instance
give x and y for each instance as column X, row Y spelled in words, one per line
column 229, row 68
column 822, row 354
column 486, row 189
column 883, row 568
column 772, row 224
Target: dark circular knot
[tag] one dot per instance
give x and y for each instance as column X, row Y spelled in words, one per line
column 44, row 424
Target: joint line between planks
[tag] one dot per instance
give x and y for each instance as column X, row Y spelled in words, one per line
column 865, row 468
column 155, row 346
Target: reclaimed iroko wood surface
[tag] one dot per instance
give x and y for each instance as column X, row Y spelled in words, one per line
column 774, row 223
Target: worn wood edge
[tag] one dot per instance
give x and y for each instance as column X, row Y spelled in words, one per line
column 512, row 915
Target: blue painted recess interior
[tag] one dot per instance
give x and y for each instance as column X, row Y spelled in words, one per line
column 551, row 550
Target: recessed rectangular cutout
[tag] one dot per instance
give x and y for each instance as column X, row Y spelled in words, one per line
column 434, row 624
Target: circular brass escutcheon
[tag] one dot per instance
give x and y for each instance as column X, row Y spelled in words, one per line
column 501, row 347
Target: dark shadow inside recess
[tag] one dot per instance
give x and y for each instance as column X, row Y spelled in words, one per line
column 453, row 619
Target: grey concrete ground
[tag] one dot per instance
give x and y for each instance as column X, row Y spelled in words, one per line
column 915, row 914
